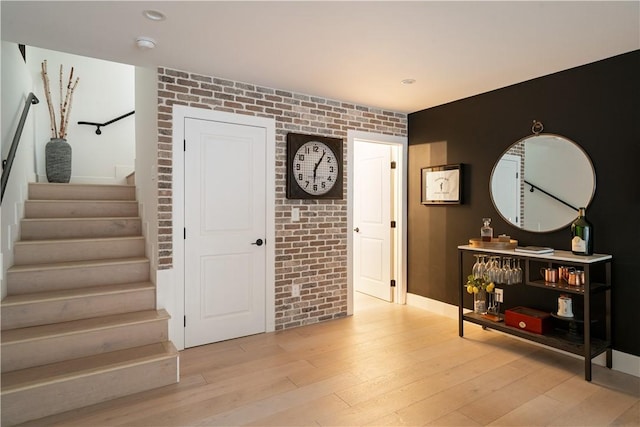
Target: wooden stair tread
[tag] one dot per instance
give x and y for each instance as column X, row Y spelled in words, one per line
column 54, row 191
column 75, row 184
column 52, row 187
column 105, row 201
column 89, row 218
column 78, row 240
column 69, row 369
column 11, row 336
column 15, row 300
column 79, row 208
column 76, row 264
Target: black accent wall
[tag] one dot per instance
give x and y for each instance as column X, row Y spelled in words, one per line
column 596, row 105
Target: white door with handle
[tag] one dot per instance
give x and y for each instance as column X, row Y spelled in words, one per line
column 372, row 238
column 225, row 230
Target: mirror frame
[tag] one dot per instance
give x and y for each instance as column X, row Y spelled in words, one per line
column 521, row 140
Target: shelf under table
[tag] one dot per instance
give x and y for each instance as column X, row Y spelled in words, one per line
column 551, row 339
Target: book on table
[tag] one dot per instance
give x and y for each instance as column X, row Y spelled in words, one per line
column 534, row 249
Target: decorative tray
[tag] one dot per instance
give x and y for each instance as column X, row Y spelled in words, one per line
column 495, row 243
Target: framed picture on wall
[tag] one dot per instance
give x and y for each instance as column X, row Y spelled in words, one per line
column 441, row 185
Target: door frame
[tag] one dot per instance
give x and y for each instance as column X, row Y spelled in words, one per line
column 401, row 142
column 180, row 114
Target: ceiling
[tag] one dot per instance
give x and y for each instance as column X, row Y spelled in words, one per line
column 351, row 51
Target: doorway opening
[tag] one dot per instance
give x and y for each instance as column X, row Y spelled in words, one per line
column 376, row 223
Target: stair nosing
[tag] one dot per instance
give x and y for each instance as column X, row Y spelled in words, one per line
column 76, row 264
column 168, row 352
column 78, row 326
column 77, row 293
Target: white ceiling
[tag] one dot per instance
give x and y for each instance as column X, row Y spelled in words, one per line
column 352, row 51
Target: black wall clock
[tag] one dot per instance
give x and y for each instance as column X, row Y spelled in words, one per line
column 314, row 167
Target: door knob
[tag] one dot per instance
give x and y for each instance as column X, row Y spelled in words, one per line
column 357, row 230
column 258, row 242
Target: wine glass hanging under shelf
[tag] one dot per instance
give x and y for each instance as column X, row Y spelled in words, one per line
column 497, row 269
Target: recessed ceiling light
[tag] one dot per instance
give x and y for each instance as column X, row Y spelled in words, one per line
column 408, row 81
column 154, row 15
column 145, row 43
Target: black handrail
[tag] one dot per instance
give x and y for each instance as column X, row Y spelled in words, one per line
column 549, row 194
column 8, row 162
column 99, row 125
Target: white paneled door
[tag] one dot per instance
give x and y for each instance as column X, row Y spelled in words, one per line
column 225, row 228
column 372, row 202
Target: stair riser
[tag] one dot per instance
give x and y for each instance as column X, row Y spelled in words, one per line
column 62, row 251
column 49, row 399
column 24, row 282
column 81, row 192
column 21, row 355
column 41, row 229
column 79, row 209
column 42, row 313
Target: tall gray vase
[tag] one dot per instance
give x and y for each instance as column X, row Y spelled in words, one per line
column 58, row 160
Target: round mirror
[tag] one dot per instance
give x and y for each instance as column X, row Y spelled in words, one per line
column 539, row 183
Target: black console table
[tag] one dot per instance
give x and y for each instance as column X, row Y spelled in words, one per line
column 597, row 280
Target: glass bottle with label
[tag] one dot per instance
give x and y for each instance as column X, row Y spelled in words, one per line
column 581, row 235
column 486, row 232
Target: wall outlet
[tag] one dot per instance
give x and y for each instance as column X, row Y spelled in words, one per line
column 499, row 295
column 295, row 291
column 295, row 214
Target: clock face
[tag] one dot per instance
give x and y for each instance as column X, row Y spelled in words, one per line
column 315, row 168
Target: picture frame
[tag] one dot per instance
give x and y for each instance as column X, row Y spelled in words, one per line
column 441, row 185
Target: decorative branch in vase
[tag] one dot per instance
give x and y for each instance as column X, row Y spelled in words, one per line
column 58, row 150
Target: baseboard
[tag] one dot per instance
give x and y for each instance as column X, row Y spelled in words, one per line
column 623, row 362
column 434, row 306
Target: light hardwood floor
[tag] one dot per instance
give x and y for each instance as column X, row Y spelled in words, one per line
column 387, row 365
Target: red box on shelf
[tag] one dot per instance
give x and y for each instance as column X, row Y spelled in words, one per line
column 528, row 319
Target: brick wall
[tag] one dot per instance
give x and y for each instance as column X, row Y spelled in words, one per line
column 311, row 253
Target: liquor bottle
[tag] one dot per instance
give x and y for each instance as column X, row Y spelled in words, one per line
column 581, row 235
column 486, row 232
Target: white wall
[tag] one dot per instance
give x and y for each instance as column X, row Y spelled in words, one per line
column 16, row 85
column 106, row 90
column 146, row 163
column 146, row 156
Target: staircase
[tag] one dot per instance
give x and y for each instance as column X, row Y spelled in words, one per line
column 79, row 323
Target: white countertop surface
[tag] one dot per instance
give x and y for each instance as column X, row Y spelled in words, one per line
column 555, row 256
